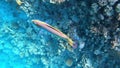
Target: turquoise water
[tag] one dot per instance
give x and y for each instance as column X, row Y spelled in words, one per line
column 23, row 44
column 89, row 23
column 12, row 38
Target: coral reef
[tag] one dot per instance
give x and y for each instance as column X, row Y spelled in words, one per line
column 94, row 26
